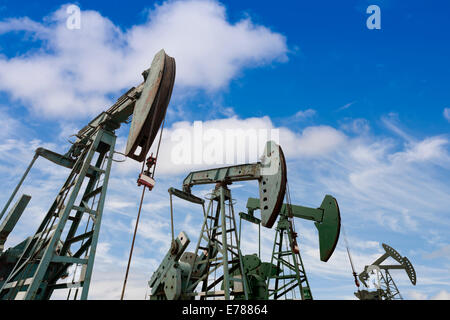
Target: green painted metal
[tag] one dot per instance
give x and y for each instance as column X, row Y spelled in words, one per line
column 249, row 218
column 257, row 274
column 150, row 110
column 186, row 196
column 220, row 253
column 291, row 275
column 224, row 246
column 49, row 155
column 47, row 256
column 248, row 277
column 270, row 173
column 216, row 254
column 271, row 176
column 61, row 160
column 166, row 281
column 18, row 185
column 327, row 220
column 329, row 228
column 69, row 232
column 11, row 219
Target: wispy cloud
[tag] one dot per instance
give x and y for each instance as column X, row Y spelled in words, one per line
column 391, row 122
column 442, row 253
column 305, row 114
column 346, row 106
column 446, row 114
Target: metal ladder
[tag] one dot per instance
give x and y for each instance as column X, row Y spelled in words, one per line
column 220, row 253
column 49, row 253
column 296, row 276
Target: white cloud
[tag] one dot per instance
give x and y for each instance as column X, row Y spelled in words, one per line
column 346, row 106
column 9, row 126
column 186, row 146
column 426, row 150
column 318, row 141
column 78, row 70
column 304, row 114
column 443, row 252
column 392, row 123
column 416, row 295
column 356, row 126
column 447, row 114
column 22, row 24
column 442, row 295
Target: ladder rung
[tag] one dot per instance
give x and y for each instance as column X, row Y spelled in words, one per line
column 93, row 193
column 292, row 276
column 208, row 260
column 96, row 169
column 67, row 259
column 283, row 252
column 67, row 285
column 80, row 237
column 236, row 279
column 216, row 264
column 229, row 230
column 84, row 209
column 212, row 293
column 13, row 284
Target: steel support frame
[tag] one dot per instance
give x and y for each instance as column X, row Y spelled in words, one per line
column 211, row 235
column 47, row 256
column 297, row 277
column 389, row 287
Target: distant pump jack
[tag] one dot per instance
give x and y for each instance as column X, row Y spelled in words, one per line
column 386, row 287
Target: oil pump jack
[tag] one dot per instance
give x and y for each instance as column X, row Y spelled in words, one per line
column 68, row 234
column 288, row 260
column 217, row 266
column 386, row 289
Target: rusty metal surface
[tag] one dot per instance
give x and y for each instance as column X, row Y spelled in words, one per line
column 226, row 175
column 272, row 187
column 150, row 108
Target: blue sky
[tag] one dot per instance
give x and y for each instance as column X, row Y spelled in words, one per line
column 362, row 114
